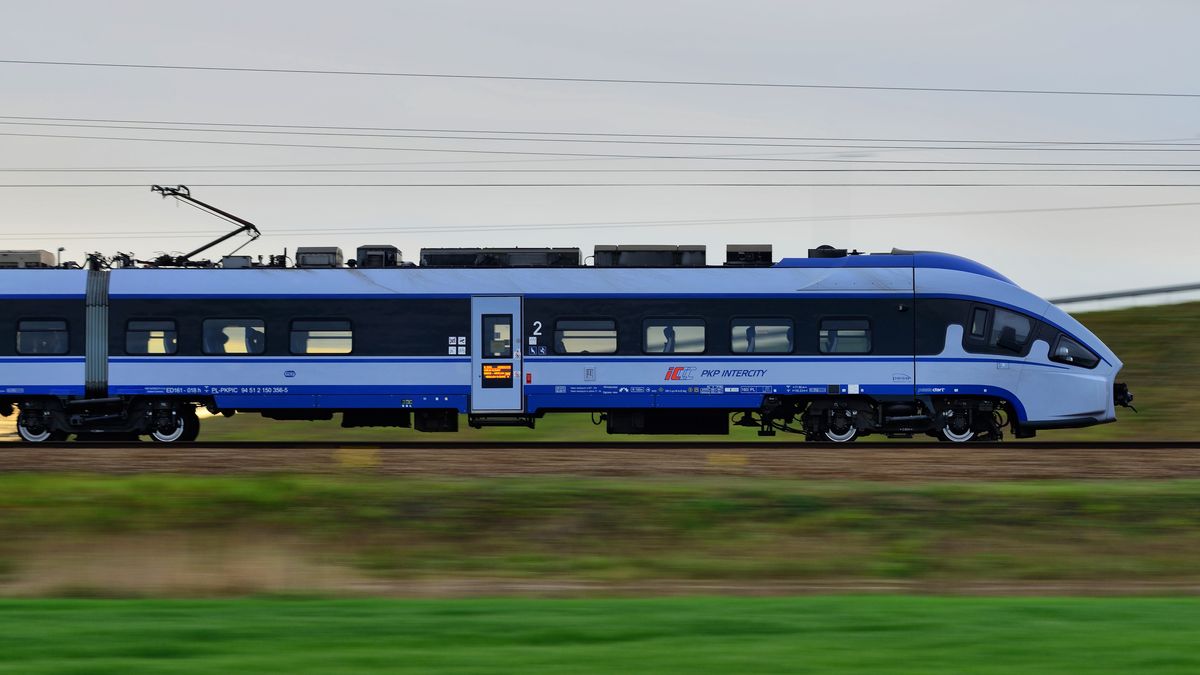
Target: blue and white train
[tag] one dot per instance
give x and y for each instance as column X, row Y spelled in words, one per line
column 834, row 347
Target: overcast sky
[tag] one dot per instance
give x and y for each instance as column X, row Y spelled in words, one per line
column 1146, row 47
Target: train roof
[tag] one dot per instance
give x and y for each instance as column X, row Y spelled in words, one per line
column 895, row 272
column 898, row 258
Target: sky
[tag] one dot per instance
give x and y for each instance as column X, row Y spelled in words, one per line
column 1050, row 238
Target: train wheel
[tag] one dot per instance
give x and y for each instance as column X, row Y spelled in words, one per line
column 841, row 429
column 844, row 437
column 957, row 428
column 951, row 437
column 33, row 430
column 186, row 429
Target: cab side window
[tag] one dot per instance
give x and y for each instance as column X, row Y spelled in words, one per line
column 994, row 330
column 1072, row 353
column 1009, row 330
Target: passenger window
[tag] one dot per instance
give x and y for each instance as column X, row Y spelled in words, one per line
column 497, row 336
column 598, row 336
column 1009, row 330
column 1071, row 352
column 151, row 337
column 673, row 336
column 235, row 336
column 979, row 323
column 42, row 337
column 762, row 336
column 321, row 337
column 845, row 336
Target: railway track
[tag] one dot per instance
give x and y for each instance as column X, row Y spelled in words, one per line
column 900, row 462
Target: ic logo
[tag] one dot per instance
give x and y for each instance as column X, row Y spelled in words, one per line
column 675, row 373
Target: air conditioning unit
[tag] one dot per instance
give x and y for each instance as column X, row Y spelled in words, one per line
column 318, row 256
column 748, row 255
column 26, row 259
column 499, row 257
column 649, row 256
column 378, row 256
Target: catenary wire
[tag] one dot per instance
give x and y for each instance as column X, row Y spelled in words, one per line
column 1119, row 168
column 590, row 133
column 602, row 80
column 720, row 184
column 834, row 146
column 340, row 167
column 421, row 229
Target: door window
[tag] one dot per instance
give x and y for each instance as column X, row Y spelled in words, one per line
column 497, row 336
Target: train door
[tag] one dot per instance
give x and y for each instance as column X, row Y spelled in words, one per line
column 497, row 379
column 904, row 376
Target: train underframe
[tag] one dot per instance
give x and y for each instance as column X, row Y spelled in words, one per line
column 836, row 419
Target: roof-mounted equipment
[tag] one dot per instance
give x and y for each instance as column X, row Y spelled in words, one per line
column 318, row 256
column 374, row 257
column 748, row 255
column 26, row 259
column 827, row 251
column 183, row 194
column 649, row 256
column 499, row 257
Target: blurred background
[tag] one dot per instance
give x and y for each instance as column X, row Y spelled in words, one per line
column 1055, row 142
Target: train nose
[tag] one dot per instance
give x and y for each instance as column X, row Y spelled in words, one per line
column 1122, row 396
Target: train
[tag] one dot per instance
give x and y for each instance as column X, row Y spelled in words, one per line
column 833, row 347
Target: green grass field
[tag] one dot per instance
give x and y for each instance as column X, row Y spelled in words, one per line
column 878, row 635
column 1157, row 344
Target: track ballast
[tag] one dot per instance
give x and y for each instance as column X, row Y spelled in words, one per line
column 903, row 462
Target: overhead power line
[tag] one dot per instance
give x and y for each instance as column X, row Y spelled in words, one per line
column 1166, row 142
column 1025, row 167
column 989, row 146
column 603, row 80
column 423, row 229
column 340, row 167
column 718, row 184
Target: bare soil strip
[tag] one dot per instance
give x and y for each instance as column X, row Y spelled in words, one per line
column 897, row 463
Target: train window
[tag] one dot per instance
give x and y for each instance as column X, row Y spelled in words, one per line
column 497, row 336
column 979, row 317
column 235, row 336
column 151, row 337
column 595, row 336
column 762, row 336
column 1009, row 330
column 845, row 336
column 321, row 337
column 673, row 336
column 42, row 337
column 1071, row 352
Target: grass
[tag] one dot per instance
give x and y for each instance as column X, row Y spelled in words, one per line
column 850, row 634
column 1157, row 344
column 1162, row 367
column 737, row 529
